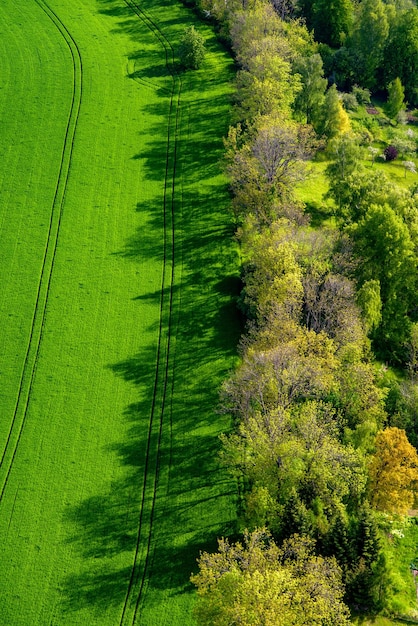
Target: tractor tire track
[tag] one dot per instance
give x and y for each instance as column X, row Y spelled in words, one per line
column 140, row 565
column 48, row 261
column 143, row 81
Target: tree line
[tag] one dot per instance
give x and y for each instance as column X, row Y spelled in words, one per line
column 323, row 431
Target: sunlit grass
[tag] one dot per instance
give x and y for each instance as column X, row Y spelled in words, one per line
column 73, row 475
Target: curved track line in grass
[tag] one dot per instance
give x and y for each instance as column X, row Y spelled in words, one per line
column 161, row 380
column 146, row 83
column 38, row 319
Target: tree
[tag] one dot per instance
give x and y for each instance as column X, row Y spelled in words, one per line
column 390, row 153
column 295, row 370
column 268, row 87
column 256, row 582
column 365, row 577
column 355, row 189
column 383, row 243
column 258, row 27
column 369, row 39
column 329, row 305
column 393, row 472
column 263, row 169
column 409, row 166
column 413, row 352
column 345, row 159
column 332, row 20
column 370, row 302
column 306, row 11
column 401, row 53
column 309, row 101
column 396, row 95
column 361, row 401
column 192, row 48
column 284, row 8
column 292, row 459
column 336, row 120
column 344, row 67
column 373, row 153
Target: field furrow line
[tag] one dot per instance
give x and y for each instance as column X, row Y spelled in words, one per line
column 39, row 313
column 164, row 348
column 168, row 357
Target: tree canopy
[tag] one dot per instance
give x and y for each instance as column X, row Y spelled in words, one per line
column 326, row 288
column 192, row 49
column 393, row 472
column 256, row 582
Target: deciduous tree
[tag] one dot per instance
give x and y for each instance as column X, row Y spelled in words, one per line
column 393, row 472
column 345, row 156
column 332, row 20
column 383, row 242
column 335, row 119
column 256, row 582
column 401, row 53
column 262, row 169
column 310, row 100
column 369, row 39
column 192, row 48
column 370, row 302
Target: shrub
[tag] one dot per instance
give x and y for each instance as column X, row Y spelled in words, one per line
column 349, row 101
column 362, row 95
column 390, row 153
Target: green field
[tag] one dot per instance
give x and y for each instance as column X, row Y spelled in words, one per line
column 117, row 318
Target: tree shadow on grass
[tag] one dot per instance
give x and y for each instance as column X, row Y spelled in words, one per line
column 105, row 532
column 194, row 500
column 104, row 529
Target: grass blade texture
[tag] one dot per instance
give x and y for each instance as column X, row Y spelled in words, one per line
column 116, row 315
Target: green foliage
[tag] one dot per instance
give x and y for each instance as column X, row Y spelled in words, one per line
column 310, row 100
column 273, row 282
column 305, row 399
column 263, row 168
column 362, row 95
column 256, row 582
column 296, row 455
column 342, row 171
column 344, row 67
column 335, row 119
column 401, row 53
column 396, row 96
column 369, row 40
column 332, row 20
column 265, row 48
column 370, row 302
column 349, row 101
column 192, row 49
column 383, row 232
column 268, row 87
column 383, row 243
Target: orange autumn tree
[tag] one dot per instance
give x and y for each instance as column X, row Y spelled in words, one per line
column 393, row 472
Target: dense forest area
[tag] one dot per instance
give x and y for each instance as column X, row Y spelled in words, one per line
column 324, row 401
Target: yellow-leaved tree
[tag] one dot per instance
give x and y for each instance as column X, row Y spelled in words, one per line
column 393, row 472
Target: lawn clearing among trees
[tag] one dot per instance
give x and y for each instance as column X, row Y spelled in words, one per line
column 117, row 274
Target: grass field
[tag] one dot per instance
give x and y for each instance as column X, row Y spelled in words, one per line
column 117, row 270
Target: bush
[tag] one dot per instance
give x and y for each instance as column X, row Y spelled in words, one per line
column 349, row 101
column 192, row 49
column 362, row 95
column 390, row 153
